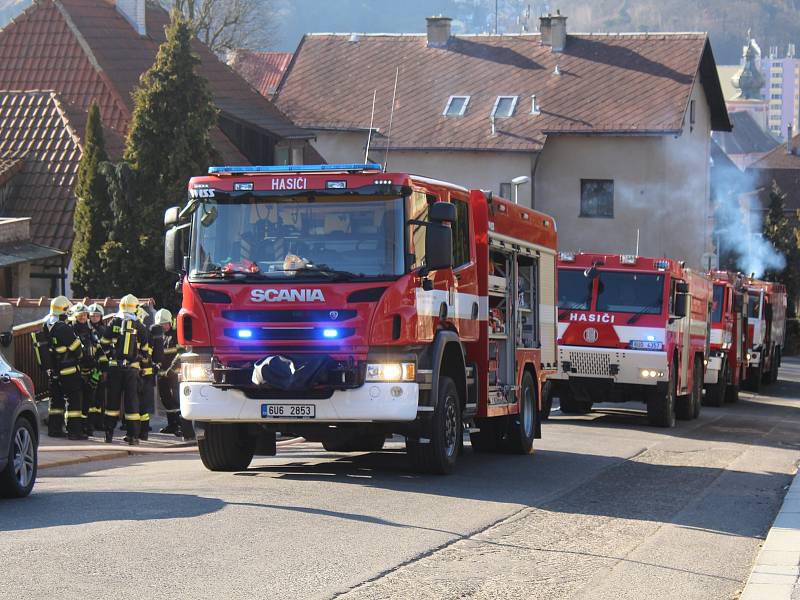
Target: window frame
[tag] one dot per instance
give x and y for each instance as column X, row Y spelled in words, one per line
column 585, row 215
column 461, row 113
column 497, row 100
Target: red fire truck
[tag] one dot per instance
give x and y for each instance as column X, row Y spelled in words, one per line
column 631, row 328
column 766, row 331
column 344, row 304
column 727, row 360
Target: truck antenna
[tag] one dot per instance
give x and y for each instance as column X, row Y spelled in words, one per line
column 371, row 121
column 391, row 118
column 637, row 241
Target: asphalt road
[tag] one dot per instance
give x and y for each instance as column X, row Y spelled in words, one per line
column 607, row 508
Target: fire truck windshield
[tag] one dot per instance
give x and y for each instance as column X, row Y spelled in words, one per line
column 299, row 237
column 574, row 290
column 640, row 293
column 719, row 296
column 753, row 306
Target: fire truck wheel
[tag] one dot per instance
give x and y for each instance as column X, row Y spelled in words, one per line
column 715, row 392
column 753, row 382
column 697, row 387
column 547, row 400
column 661, row 406
column 570, row 405
column 439, row 455
column 225, row 447
column 523, row 424
column 732, row 394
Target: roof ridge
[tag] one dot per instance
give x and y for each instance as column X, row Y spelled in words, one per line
column 636, row 34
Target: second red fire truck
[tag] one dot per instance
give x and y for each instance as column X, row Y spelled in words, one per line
column 631, row 328
column 343, row 304
column 766, row 331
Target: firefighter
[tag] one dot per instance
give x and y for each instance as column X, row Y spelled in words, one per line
column 168, row 374
column 124, row 340
column 99, row 331
column 90, row 374
column 152, row 356
column 62, row 366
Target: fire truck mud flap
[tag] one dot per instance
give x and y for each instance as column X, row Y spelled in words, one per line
column 370, row 402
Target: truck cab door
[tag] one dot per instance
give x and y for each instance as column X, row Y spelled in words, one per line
column 463, row 292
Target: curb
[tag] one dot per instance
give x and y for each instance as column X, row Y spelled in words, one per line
column 776, row 572
column 83, row 459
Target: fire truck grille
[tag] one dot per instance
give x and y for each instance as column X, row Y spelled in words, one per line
column 589, row 363
column 288, row 316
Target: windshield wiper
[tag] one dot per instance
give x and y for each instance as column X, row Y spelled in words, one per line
column 228, row 273
column 645, row 308
column 574, row 306
column 325, row 270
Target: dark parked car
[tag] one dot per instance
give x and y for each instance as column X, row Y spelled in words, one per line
column 19, row 433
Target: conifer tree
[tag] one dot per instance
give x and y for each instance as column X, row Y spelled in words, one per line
column 782, row 232
column 92, row 213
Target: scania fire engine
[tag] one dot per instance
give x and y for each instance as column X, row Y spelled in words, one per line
column 766, row 331
column 631, row 328
column 727, row 360
column 344, row 304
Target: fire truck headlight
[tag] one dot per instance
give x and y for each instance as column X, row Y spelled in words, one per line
column 197, row 372
column 650, row 374
column 391, row 372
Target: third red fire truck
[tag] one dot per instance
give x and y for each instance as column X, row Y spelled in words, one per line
column 766, row 330
column 727, row 360
column 343, row 304
column 631, row 328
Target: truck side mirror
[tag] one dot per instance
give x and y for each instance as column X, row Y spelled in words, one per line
column 171, row 216
column 682, row 288
column 173, row 255
column 438, row 246
column 681, row 300
column 440, row 212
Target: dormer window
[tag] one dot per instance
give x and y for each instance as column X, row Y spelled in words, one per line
column 504, row 106
column 456, row 106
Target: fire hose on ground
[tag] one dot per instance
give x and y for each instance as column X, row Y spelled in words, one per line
column 145, row 449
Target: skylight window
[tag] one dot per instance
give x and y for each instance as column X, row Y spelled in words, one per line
column 456, row 106
column 504, row 106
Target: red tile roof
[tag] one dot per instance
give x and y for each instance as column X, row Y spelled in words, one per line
column 8, row 168
column 262, row 70
column 613, row 84
column 35, row 129
column 778, row 158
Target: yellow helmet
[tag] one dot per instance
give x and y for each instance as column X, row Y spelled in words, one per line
column 163, row 316
column 129, row 303
column 59, row 305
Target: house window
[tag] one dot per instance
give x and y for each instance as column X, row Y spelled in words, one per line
column 776, row 96
column 456, row 106
column 505, row 190
column 597, row 198
column 504, row 106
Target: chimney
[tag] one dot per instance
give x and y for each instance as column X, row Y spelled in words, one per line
column 545, row 29
column 134, row 13
column 554, row 31
column 438, row 31
column 789, row 140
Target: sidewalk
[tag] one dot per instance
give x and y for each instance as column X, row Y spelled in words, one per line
column 776, row 573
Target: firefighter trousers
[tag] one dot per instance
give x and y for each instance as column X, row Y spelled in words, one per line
column 123, row 391
column 147, row 400
column 97, row 404
column 168, row 392
column 66, row 402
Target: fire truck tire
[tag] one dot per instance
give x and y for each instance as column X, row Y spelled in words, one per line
column 547, row 400
column 715, row 392
column 523, row 424
column 359, row 443
column 225, row 447
column 570, row 405
column 697, row 387
column 753, row 382
column 440, row 453
column 661, row 406
column 732, row 394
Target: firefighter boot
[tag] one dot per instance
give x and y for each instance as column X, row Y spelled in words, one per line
column 187, row 429
column 172, row 423
column 132, row 437
column 109, row 436
column 55, row 425
column 75, row 429
column 144, row 430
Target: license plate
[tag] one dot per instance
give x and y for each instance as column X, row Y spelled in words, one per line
column 288, row 411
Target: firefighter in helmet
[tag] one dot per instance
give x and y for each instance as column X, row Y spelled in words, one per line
column 99, row 331
column 124, row 341
column 168, row 375
column 152, row 356
column 59, row 353
column 90, row 374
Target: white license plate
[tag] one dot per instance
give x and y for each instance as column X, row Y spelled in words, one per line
column 288, row 411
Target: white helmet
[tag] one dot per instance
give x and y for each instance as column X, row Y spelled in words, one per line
column 96, row 309
column 163, row 316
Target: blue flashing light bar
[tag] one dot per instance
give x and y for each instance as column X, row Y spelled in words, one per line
column 330, row 333
column 245, row 334
column 296, row 168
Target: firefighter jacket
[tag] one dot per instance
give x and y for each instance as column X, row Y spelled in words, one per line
column 172, row 353
column 65, row 348
column 125, row 342
column 88, row 346
column 99, row 331
column 153, row 354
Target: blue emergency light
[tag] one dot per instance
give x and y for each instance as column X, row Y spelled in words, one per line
column 245, row 334
column 295, row 168
column 330, row 333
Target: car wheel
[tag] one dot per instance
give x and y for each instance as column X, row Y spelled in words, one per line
column 19, row 476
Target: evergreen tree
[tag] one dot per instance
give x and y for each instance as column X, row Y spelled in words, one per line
column 168, row 142
column 91, row 211
column 783, row 234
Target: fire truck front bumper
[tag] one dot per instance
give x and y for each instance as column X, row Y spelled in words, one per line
column 753, row 358
column 379, row 401
column 713, row 368
column 635, row 367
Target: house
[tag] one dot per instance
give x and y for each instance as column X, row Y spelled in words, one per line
column 95, row 50
column 782, row 167
column 747, row 142
column 612, row 130
column 262, row 70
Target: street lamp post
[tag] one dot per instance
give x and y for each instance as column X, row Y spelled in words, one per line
column 516, row 182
